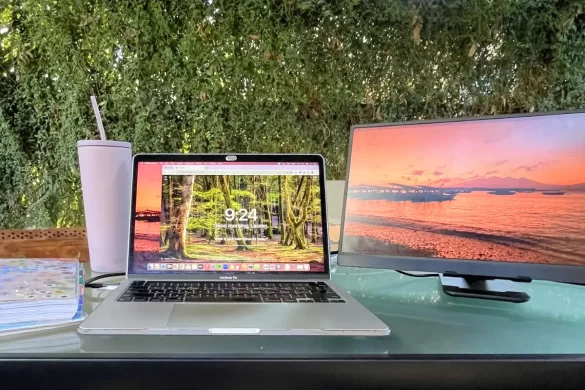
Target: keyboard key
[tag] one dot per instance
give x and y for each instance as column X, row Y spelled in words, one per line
column 140, row 299
column 174, row 300
column 145, row 293
column 125, row 299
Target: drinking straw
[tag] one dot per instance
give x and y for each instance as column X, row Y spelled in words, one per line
column 98, row 118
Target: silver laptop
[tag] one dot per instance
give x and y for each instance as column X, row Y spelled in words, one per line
column 229, row 244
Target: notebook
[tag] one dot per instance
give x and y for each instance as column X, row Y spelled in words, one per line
column 39, row 293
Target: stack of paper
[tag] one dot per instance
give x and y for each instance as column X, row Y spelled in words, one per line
column 39, row 293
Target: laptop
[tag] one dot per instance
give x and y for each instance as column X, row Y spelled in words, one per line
column 230, row 245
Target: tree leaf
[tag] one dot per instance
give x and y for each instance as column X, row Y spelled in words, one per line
column 417, row 24
column 472, row 50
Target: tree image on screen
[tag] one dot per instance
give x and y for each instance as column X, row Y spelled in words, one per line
column 241, row 218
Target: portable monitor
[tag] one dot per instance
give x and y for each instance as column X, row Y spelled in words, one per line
column 482, row 198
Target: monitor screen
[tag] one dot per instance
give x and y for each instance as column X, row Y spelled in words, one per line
column 503, row 190
column 227, row 217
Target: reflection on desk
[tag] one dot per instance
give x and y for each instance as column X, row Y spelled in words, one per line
column 424, row 321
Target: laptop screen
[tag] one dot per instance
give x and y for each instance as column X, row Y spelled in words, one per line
column 227, row 217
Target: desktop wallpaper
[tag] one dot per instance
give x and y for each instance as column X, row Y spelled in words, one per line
column 501, row 190
column 243, row 219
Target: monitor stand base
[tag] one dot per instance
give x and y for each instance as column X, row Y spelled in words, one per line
column 484, row 287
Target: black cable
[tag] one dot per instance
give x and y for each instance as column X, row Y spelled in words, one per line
column 89, row 282
column 417, row 275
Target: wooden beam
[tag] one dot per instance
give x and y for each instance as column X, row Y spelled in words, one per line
column 44, row 243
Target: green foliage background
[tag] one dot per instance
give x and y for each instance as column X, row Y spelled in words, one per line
column 259, row 76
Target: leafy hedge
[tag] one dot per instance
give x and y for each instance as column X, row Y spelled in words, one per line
column 259, row 76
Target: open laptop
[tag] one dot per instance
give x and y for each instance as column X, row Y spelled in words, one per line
column 229, row 244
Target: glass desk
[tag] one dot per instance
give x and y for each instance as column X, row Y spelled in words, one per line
column 427, row 326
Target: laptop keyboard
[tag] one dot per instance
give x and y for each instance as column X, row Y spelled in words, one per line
column 217, row 292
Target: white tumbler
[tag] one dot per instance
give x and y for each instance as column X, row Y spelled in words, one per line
column 106, row 175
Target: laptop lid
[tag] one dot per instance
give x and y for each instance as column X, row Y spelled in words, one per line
column 228, row 217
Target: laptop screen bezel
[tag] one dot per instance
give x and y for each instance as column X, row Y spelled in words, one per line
column 228, row 275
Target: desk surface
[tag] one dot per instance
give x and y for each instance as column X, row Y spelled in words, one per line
column 423, row 321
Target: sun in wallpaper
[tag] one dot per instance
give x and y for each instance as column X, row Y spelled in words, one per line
column 501, row 190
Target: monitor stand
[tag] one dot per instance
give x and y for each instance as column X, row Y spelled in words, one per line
column 484, row 287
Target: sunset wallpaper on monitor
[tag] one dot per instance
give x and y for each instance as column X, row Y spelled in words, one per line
column 500, row 190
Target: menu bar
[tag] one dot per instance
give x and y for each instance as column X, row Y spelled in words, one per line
column 228, row 163
column 233, row 267
column 239, row 170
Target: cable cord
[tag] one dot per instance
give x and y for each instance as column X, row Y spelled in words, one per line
column 417, row 275
column 89, row 283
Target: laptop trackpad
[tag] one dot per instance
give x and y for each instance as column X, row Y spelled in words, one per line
column 224, row 318
column 246, row 318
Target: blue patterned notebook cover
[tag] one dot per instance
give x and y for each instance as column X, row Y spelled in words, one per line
column 29, row 283
column 38, row 279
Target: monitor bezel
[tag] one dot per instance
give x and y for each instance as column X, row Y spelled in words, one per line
column 488, row 268
column 229, row 275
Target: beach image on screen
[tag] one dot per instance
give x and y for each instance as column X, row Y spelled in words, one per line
column 500, row 190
